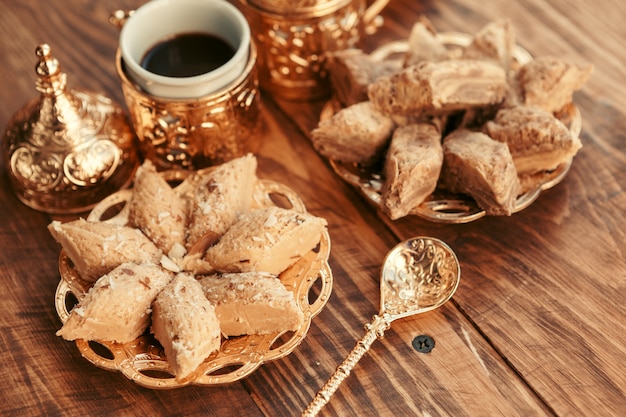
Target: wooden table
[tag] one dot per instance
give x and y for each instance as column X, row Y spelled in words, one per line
column 537, row 326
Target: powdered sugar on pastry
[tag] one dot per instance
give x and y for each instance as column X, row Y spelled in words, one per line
column 221, row 196
column 158, row 211
column 96, row 248
column 117, row 307
column 252, row 303
column 269, row 239
column 185, row 324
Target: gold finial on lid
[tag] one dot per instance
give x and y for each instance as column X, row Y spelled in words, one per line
column 67, row 149
column 51, row 80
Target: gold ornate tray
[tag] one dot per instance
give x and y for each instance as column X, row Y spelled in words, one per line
column 143, row 360
column 444, row 207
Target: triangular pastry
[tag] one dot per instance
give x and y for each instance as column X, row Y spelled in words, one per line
column 495, row 42
column 269, row 239
column 185, row 324
column 252, row 303
column 549, row 82
column 157, row 210
column 424, row 44
column 537, row 140
column 357, row 133
column 117, row 307
column 221, row 196
column 351, row 70
column 95, row 248
column 412, row 168
column 478, row 166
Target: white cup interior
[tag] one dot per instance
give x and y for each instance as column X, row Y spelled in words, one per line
column 159, row 20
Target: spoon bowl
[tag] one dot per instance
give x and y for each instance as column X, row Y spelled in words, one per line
column 418, row 275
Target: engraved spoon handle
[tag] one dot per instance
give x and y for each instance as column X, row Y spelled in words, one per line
column 374, row 330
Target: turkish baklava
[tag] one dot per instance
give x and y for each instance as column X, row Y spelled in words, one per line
column 412, row 166
column 266, row 240
column 156, row 209
column 358, row 133
column 185, row 324
column 439, row 87
column 117, row 307
column 482, row 168
column 95, row 248
column 252, row 303
column 221, row 196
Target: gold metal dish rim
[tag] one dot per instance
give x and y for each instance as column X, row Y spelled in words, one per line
column 143, row 360
column 449, row 210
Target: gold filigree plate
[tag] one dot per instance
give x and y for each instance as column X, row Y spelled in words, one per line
column 443, row 207
column 143, row 360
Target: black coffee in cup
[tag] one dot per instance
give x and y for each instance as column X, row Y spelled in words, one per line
column 187, row 55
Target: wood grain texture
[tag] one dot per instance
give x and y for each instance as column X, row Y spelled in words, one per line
column 537, row 327
column 546, row 286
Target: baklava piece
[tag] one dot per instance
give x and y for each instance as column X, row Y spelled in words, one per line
column 268, row 240
column 221, row 196
column 424, row 44
column 482, row 168
column 252, row 303
column 537, row 140
column 494, row 42
column 117, row 307
column 412, row 168
column 352, row 70
column 185, row 324
column 358, row 134
column 550, row 82
column 439, row 87
column 157, row 210
column 95, row 248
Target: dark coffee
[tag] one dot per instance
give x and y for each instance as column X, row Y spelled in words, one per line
column 187, row 55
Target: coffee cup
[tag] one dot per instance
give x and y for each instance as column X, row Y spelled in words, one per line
column 184, row 48
column 197, row 114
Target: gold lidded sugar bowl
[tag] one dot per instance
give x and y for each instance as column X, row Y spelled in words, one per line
column 67, row 149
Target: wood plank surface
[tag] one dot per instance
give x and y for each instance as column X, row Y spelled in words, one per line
column 537, row 326
column 359, row 244
column 542, row 284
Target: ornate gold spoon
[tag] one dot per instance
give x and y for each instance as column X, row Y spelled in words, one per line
column 418, row 275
